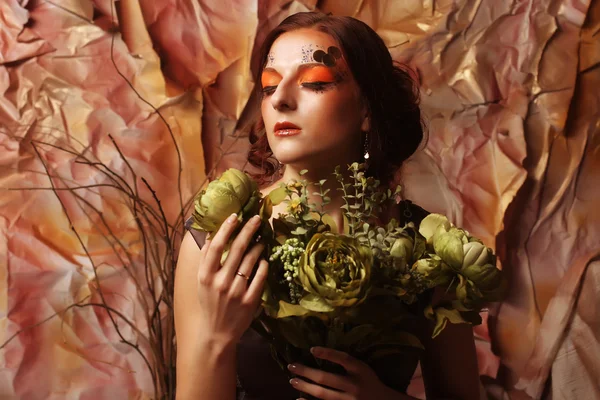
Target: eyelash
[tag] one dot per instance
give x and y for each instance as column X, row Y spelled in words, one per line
column 267, row 90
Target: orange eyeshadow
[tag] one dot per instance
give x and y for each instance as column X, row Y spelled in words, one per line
column 317, row 74
column 270, row 78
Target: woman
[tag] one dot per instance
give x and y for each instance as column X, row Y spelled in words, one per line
column 331, row 95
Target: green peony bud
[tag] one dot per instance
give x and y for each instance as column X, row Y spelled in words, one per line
column 336, row 270
column 402, row 248
column 233, row 192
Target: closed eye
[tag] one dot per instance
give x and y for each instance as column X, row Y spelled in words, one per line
column 268, row 90
column 316, row 85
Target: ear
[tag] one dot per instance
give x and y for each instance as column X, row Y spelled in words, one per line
column 366, row 124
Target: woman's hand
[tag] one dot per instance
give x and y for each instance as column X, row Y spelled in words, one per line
column 361, row 383
column 228, row 300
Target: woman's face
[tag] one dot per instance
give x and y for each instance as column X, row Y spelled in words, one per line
column 311, row 103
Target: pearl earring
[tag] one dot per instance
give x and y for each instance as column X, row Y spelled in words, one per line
column 366, row 154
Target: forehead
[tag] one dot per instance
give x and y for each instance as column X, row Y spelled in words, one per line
column 297, row 47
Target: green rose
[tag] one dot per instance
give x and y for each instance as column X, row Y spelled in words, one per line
column 232, row 192
column 335, row 270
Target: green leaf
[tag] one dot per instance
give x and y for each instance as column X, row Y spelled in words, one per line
column 346, row 225
column 266, row 209
column 304, row 171
column 328, row 220
column 288, row 310
column 442, row 317
column 278, row 195
column 299, row 231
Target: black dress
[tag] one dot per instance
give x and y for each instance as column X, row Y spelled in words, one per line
column 259, row 376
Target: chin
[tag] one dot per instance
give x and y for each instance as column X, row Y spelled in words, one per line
column 290, row 156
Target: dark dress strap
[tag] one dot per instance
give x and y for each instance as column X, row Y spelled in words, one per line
column 199, row 237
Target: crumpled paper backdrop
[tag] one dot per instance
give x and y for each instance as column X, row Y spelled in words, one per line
column 510, row 93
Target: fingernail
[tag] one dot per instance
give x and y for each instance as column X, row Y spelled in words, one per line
column 291, row 367
column 232, row 218
column 256, row 220
column 293, row 382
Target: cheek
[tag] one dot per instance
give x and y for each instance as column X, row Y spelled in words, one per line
column 265, row 109
column 338, row 113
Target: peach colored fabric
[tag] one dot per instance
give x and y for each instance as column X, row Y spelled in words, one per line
column 509, row 90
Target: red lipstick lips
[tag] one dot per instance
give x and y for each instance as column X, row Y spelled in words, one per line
column 286, row 128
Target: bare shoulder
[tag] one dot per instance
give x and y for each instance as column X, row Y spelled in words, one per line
column 187, row 265
column 449, row 363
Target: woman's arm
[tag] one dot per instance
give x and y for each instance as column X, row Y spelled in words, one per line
column 449, row 364
column 205, row 370
column 214, row 306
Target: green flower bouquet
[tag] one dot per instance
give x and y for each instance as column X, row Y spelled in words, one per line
column 366, row 289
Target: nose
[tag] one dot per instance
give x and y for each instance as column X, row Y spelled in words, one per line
column 284, row 97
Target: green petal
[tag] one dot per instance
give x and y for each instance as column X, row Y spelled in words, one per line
column 475, row 254
column 450, row 248
column 315, row 303
column 430, row 224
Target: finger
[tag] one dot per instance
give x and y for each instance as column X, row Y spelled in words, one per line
column 218, row 243
column 350, row 364
column 239, row 246
column 322, row 378
column 255, row 290
column 241, row 280
column 318, row 391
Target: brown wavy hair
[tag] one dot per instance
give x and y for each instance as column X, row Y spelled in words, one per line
column 388, row 89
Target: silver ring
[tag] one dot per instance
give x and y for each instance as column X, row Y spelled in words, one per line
column 246, row 277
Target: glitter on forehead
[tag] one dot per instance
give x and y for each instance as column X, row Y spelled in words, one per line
column 307, row 52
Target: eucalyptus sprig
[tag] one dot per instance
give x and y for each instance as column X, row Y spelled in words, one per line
column 363, row 199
